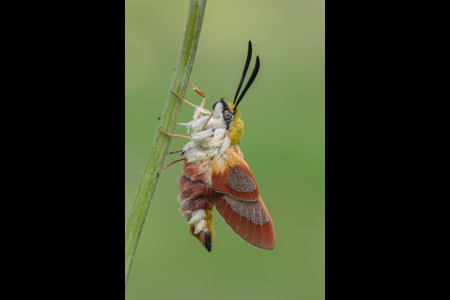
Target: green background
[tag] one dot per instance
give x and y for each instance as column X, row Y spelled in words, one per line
column 283, row 142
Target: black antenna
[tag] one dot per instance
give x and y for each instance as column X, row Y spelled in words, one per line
column 250, row 81
column 247, row 63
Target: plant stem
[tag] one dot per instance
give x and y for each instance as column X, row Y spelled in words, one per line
column 161, row 142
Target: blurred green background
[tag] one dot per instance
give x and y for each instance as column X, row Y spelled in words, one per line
column 283, row 142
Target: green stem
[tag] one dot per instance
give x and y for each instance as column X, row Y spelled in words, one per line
column 168, row 121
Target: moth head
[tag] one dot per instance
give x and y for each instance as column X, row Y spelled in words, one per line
column 225, row 110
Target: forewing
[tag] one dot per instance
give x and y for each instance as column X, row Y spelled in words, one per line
column 249, row 219
column 236, row 179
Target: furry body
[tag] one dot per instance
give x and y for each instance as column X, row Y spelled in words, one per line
column 215, row 173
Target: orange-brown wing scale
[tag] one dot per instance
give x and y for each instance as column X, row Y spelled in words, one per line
column 241, row 205
column 237, row 181
column 249, row 219
column 236, row 178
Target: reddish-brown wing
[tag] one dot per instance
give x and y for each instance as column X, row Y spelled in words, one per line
column 249, row 219
column 235, row 178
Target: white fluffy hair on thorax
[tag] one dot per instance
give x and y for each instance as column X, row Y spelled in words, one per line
column 208, row 142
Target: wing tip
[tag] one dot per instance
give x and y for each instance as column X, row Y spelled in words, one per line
column 261, row 236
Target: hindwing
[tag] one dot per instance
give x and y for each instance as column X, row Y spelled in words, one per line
column 249, row 219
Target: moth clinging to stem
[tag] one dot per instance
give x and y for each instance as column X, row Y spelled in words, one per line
column 216, row 173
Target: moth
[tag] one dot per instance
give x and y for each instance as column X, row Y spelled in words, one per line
column 216, row 173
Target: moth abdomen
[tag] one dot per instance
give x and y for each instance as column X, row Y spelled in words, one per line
column 194, row 188
column 197, row 203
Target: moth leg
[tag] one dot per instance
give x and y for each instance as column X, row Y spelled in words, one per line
column 173, row 152
column 200, row 93
column 204, row 126
column 159, row 173
column 176, row 135
column 201, row 109
column 197, row 114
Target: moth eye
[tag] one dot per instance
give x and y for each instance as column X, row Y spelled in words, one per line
column 227, row 115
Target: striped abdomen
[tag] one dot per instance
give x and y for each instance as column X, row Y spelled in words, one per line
column 197, row 202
